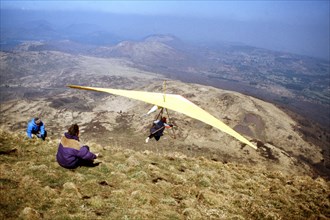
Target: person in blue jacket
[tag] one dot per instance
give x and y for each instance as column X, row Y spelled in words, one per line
column 36, row 127
column 71, row 153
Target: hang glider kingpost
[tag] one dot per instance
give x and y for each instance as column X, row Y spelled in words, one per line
column 173, row 102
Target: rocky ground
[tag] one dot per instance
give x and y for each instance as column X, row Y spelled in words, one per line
column 35, row 85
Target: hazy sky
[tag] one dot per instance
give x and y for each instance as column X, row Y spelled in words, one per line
column 296, row 26
column 315, row 11
column 290, row 11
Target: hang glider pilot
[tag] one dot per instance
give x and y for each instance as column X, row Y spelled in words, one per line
column 36, row 127
column 157, row 129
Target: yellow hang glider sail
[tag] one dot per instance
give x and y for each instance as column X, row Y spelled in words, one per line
column 173, row 102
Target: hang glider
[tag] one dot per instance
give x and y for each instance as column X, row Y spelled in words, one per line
column 173, row 102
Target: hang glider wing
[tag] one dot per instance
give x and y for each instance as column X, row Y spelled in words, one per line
column 173, row 102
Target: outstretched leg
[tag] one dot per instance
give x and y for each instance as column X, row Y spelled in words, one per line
column 45, row 135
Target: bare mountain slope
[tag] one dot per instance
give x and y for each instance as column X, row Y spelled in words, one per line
column 295, row 82
column 110, row 119
column 35, row 85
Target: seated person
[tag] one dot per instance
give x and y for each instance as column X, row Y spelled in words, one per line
column 71, row 153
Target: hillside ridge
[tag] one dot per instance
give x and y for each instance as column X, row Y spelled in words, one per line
column 104, row 119
column 129, row 184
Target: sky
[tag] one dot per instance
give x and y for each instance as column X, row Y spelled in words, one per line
column 292, row 11
column 296, row 26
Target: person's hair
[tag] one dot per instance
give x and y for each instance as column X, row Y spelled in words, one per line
column 37, row 120
column 73, row 130
column 164, row 119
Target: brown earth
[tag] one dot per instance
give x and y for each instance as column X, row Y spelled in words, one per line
column 283, row 144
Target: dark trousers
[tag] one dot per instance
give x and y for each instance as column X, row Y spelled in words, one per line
column 157, row 137
column 87, row 163
column 38, row 133
column 82, row 163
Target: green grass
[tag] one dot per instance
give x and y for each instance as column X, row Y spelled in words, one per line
column 134, row 185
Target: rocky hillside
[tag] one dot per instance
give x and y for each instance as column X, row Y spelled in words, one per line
column 35, row 85
column 295, row 82
column 195, row 171
column 129, row 184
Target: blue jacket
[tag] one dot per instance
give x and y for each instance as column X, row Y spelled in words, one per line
column 70, row 152
column 33, row 128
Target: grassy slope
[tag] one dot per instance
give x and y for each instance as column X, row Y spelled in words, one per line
column 133, row 185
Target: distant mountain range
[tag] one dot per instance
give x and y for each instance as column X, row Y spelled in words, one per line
column 41, row 30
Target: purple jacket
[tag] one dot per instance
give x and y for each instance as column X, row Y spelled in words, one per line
column 71, row 153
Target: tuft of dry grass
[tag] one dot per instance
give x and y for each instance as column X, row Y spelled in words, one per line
column 134, row 185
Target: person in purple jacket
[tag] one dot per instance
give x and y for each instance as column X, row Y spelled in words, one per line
column 71, row 153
